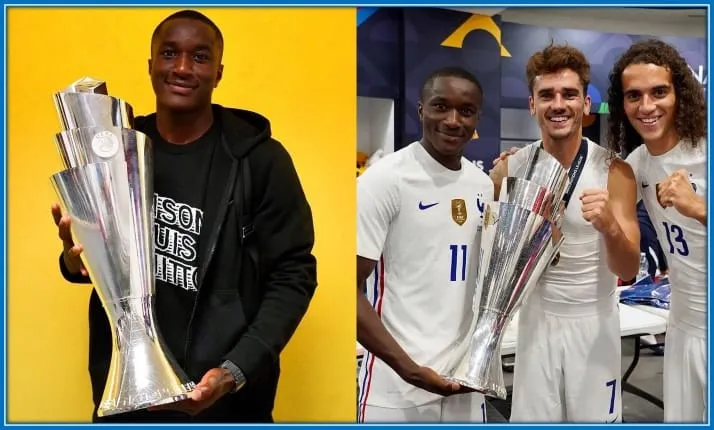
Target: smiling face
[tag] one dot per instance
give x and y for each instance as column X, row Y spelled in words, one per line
column 559, row 103
column 650, row 102
column 186, row 64
column 449, row 114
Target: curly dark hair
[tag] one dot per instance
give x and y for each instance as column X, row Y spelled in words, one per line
column 690, row 120
column 558, row 57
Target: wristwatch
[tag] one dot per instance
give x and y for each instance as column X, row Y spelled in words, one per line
column 238, row 376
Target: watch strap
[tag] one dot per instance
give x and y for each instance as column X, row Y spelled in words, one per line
column 238, row 376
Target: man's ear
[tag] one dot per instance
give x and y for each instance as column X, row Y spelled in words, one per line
column 219, row 75
column 531, row 105
column 588, row 105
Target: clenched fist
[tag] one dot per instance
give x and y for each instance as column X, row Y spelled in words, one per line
column 677, row 192
column 596, row 210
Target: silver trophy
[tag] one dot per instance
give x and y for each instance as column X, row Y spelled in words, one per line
column 519, row 239
column 107, row 191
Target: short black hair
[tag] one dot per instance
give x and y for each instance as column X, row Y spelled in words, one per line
column 449, row 72
column 189, row 14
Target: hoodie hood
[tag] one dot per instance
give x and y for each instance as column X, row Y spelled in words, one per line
column 242, row 130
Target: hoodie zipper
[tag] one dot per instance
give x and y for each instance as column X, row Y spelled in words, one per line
column 213, row 240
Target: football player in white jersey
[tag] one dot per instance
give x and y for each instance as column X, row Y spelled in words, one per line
column 569, row 350
column 655, row 100
column 419, row 213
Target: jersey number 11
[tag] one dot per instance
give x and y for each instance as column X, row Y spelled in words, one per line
column 458, row 262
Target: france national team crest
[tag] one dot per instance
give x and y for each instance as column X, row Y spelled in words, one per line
column 458, row 211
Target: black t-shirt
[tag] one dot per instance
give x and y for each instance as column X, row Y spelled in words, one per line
column 180, row 177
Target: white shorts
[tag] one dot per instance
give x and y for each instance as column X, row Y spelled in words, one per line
column 685, row 377
column 459, row 408
column 567, row 367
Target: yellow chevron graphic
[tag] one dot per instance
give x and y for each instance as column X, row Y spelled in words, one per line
column 475, row 22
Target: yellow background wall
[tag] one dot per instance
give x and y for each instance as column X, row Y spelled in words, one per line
column 297, row 67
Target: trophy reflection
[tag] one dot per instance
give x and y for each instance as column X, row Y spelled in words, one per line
column 107, row 191
column 520, row 238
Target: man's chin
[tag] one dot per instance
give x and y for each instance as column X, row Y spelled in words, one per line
column 178, row 104
column 450, row 149
column 561, row 135
column 649, row 135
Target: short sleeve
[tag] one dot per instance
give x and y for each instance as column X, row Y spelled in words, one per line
column 377, row 204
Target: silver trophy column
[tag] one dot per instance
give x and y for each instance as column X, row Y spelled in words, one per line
column 520, row 236
column 107, row 191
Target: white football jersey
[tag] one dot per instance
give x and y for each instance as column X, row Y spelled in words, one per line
column 581, row 275
column 683, row 240
column 421, row 222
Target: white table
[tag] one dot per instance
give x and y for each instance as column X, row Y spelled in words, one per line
column 626, row 385
column 662, row 313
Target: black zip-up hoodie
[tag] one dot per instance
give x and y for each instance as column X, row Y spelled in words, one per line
column 245, row 310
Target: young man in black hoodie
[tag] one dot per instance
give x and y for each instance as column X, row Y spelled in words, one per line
column 245, row 288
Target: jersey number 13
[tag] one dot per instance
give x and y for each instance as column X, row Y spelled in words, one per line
column 675, row 238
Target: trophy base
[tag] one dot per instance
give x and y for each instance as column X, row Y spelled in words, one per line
column 490, row 390
column 163, row 397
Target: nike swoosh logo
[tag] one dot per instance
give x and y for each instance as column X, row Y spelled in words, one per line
column 422, row 206
column 645, row 185
column 480, row 205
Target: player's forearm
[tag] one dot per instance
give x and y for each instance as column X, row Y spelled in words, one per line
column 623, row 253
column 700, row 211
column 374, row 337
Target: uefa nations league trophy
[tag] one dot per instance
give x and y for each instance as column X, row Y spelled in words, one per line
column 107, row 191
column 519, row 240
